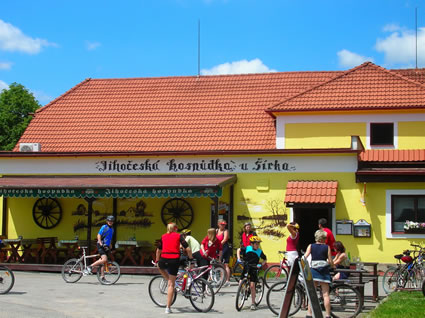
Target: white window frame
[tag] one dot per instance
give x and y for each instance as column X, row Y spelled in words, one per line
column 388, row 220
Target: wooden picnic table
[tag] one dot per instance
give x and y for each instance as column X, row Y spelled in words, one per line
column 359, row 277
column 14, row 244
column 129, row 248
column 71, row 247
column 30, row 246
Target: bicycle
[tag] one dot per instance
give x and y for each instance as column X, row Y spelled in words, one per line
column 408, row 275
column 189, row 284
column 244, row 289
column 216, row 274
column 345, row 299
column 75, row 268
column 277, row 272
column 7, row 280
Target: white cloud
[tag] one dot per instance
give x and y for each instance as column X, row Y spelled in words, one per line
column 400, row 47
column 238, row 67
column 92, row 45
column 12, row 39
column 42, row 97
column 3, row 86
column 5, row 65
column 349, row 59
column 392, row 27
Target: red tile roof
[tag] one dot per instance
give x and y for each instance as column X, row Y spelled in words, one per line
column 391, row 155
column 210, row 113
column 366, row 87
column 298, row 191
column 167, row 114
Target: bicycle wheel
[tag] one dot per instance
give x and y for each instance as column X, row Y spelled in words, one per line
column 242, row 294
column 112, row 273
column 275, row 296
column 237, row 271
column 259, row 290
column 72, row 270
column 7, row 280
column 346, row 301
column 274, row 274
column 390, row 279
column 201, row 295
column 158, row 288
column 217, row 277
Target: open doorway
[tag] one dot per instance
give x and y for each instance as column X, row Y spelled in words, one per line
column 307, row 218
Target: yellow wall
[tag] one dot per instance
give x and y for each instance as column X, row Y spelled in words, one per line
column 411, row 135
column 254, row 195
column 322, row 135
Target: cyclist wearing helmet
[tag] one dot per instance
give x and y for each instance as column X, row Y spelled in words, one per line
column 104, row 244
column 194, row 245
column 252, row 257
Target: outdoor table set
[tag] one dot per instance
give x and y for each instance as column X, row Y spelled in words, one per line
column 132, row 248
column 26, row 250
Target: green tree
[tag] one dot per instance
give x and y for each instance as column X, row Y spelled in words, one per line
column 16, row 104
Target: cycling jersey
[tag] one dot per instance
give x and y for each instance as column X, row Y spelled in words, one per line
column 106, row 233
column 170, row 245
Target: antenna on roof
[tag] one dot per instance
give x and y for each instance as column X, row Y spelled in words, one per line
column 199, row 47
column 416, row 38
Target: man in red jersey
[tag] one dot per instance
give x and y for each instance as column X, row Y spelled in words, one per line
column 330, row 239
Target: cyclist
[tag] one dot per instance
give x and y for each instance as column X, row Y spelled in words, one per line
column 104, row 245
column 252, row 256
column 247, row 233
column 194, row 245
column 223, row 236
column 321, row 260
column 168, row 259
column 292, row 243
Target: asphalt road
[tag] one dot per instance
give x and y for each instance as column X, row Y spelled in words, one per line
column 47, row 295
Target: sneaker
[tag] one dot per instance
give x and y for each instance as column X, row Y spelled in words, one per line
column 168, row 310
column 105, row 281
column 253, row 307
column 89, row 270
column 85, row 272
column 226, row 284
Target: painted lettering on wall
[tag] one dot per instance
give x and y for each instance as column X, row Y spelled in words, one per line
column 201, row 165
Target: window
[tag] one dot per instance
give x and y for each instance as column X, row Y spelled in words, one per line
column 382, row 134
column 406, row 207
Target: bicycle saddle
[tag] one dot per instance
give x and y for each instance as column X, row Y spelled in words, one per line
column 398, row 256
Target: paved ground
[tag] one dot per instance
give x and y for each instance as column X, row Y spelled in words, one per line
column 47, row 295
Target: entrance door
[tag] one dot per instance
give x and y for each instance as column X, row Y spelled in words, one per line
column 308, row 219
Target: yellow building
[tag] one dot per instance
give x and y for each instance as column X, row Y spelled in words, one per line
column 262, row 148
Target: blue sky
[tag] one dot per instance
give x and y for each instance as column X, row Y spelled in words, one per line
column 50, row 46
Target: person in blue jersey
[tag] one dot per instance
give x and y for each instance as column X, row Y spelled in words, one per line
column 252, row 256
column 104, row 245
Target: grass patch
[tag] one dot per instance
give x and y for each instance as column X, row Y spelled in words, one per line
column 401, row 304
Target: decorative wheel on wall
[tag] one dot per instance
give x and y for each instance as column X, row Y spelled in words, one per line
column 178, row 211
column 47, row 213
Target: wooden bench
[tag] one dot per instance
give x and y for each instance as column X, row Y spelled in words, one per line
column 358, row 278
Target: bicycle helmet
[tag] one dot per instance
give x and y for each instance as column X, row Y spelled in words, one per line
column 110, row 218
column 186, row 232
column 255, row 239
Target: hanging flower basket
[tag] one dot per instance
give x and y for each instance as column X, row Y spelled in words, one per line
column 411, row 227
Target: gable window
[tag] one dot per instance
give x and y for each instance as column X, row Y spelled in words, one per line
column 382, row 134
column 406, row 208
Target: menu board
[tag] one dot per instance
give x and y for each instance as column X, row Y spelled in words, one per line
column 362, row 229
column 344, row 227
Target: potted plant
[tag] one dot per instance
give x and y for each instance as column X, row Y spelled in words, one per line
column 414, row 227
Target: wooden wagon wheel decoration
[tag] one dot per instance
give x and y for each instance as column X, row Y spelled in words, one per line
column 47, row 213
column 178, row 211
